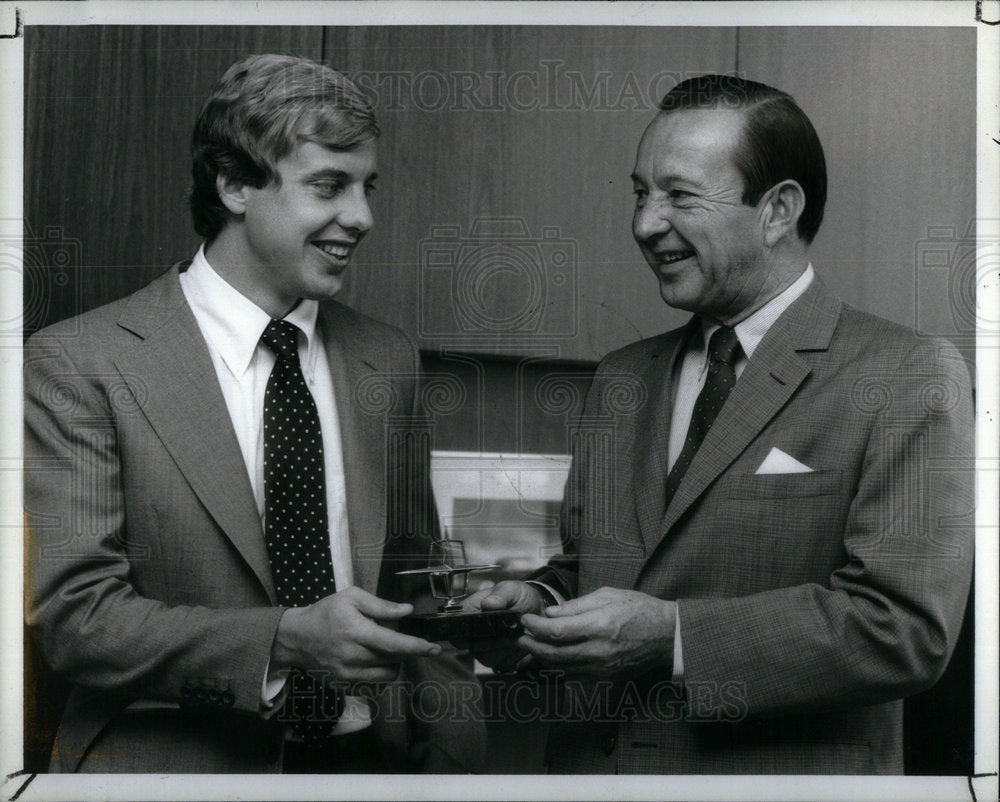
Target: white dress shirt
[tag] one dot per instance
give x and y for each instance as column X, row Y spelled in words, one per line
column 232, row 325
column 690, row 379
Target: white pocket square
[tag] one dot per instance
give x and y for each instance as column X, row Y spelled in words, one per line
column 780, row 462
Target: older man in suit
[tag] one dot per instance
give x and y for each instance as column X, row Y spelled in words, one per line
column 772, row 547
column 218, row 493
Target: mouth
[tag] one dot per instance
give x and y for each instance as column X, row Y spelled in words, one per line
column 337, row 252
column 670, row 257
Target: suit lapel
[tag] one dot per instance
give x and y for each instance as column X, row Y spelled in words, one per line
column 363, row 443
column 770, row 379
column 172, row 375
column 652, row 435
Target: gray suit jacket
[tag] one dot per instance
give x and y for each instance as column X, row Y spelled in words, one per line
column 147, row 578
column 810, row 603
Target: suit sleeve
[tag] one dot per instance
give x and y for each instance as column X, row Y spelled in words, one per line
column 94, row 627
column 884, row 625
column 584, row 491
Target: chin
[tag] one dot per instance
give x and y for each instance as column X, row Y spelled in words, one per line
column 674, row 296
column 325, row 290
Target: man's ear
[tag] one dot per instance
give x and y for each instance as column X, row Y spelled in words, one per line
column 232, row 193
column 782, row 206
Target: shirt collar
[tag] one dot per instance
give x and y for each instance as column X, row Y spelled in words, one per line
column 231, row 322
column 752, row 329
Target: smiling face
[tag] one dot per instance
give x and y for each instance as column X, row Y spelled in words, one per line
column 703, row 243
column 294, row 239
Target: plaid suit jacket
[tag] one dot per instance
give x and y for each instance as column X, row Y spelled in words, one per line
column 810, row 603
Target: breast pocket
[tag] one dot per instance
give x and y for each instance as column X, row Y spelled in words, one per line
column 778, row 529
column 785, row 485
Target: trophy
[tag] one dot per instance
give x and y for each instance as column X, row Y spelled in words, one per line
column 448, row 573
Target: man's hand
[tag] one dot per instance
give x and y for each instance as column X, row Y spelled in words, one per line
column 503, row 655
column 507, row 595
column 340, row 634
column 607, row 633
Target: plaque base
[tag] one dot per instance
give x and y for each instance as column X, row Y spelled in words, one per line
column 488, row 625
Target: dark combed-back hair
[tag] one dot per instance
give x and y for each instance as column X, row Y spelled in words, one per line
column 778, row 143
column 258, row 112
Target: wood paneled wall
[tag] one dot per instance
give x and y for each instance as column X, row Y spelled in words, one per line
column 895, row 109
column 108, row 118
column 552, row 150
column 503, row 210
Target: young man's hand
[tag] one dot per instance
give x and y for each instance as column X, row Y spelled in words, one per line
column 340, row 634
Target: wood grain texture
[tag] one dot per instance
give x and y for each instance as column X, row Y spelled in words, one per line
column 895, row 109
column 108, row 118
column 537, row 125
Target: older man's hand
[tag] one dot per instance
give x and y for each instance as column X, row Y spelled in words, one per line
column 608, row 633
column 503, row 654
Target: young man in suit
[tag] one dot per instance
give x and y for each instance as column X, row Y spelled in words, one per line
column 774, row 547
column 217, row 498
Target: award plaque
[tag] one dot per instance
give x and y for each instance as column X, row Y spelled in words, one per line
column 448, row 573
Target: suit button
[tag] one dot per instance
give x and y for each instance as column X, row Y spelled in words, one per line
column 214, row 696
column 200, row 694
column 228, row 699
column 608, row 743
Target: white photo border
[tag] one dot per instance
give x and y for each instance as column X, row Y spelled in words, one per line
column 50, row 787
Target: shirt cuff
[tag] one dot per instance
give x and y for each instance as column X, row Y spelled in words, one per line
column 549, row 594
column 270, row 689
column 678, row 675
column 356, row 716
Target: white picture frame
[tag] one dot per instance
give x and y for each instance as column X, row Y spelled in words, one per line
column 498, row 502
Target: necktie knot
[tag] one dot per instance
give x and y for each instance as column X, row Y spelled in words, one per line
column 723, row 346
column 282, row 338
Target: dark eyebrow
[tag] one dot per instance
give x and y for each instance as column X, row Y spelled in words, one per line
column 678, row 179
column 325, row 173
column 338, row 175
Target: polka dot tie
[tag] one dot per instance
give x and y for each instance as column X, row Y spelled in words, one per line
column 723, row 348
column 296, row 528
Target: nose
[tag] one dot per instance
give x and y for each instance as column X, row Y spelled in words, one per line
column 355, row 214
column 650, row 221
